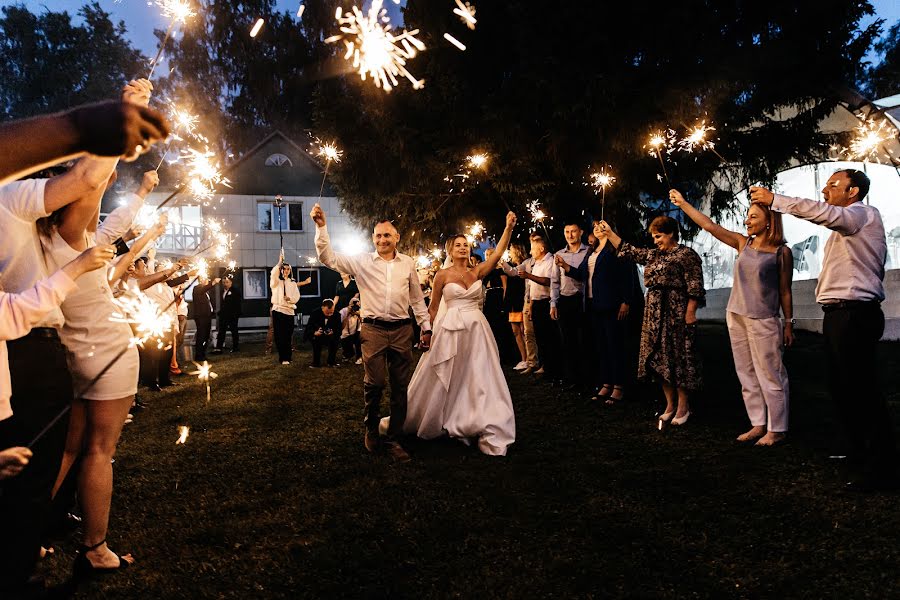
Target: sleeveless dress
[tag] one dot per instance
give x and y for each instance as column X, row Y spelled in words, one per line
column 458, row 387
column 92, row 340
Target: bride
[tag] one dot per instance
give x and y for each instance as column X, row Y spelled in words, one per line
column 458, row 387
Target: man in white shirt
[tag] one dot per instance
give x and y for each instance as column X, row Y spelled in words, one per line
column 388, row 286
column 850, row 290
column 538, row 291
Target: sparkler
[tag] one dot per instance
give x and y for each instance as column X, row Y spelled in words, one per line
column 177, row 10
column 145, row 317
column 205, row 175
column 455, row 42
column 204, row 374
column 375, row 51
column 696, row 140
column 662, row 141
column 423, row 261
column 466, row 14
column 183, row 432
column 602, row 180
column 870, row 135
column 538, row 216
column 181, row 121
column 477, row 161
column 330, row 153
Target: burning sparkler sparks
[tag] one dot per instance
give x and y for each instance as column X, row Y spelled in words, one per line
column 329, row 151
column 255, row 31
column 696, row 139
column 600, row 181
column 204, row 373
column 871, row 134
column 466, row 14
column 375, row 51
column 176, row 10
column 423, row 261
column 183, row 432
column 537, row 214
column 477, row 161
column 662, row 142
column 145, row 317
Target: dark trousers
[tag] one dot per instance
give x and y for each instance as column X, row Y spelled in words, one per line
column 156, row 361
column 851, row 348
column 201, row 339
column 351, row 345
column 41, row 389
column 570, row 312
column 386, row 352
column 283, row 326
column 324, row 341
column 546, row 333
column 608, row 347
column 228, row 324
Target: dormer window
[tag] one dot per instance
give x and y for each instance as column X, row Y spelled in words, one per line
column 279, row 160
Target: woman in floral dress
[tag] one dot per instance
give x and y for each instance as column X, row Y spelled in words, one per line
column 673, row 276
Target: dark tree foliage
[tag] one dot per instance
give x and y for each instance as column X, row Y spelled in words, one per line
column 552, row 90
column 884, row 78
column 48, row 63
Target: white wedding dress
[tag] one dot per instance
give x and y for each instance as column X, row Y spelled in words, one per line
column 458, row 387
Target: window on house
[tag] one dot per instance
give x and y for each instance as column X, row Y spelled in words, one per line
column 279, row 160
column 268, row 216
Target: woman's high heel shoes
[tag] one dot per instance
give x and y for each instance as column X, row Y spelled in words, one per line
column 83, row 568
column 681, row 420
column 666, row 417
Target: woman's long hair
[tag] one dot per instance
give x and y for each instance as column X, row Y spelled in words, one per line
column 774, row 226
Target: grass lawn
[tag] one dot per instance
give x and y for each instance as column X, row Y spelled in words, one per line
column 274, row 496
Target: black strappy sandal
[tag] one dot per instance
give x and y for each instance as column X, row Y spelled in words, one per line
column 610, row 401
column 599, row 396
column 83, row 568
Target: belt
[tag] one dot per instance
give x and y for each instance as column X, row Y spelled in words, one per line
column 43, row 332
column 386, row 324
column 845, row 304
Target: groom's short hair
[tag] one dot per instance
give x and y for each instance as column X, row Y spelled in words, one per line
column 388, row 221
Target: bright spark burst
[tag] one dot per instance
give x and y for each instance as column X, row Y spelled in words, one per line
column 476, row 230
column 505, row 257
column 602, row 180
column 232, row 265
column 437, row 253
column 145, row 317
column 184, row 121
column 871, row 134
column 183, row 432
column 329, row 151
column 178, row 10
column 537, row 214
column 661, row 142
column 375, row 51
column 466, row 14
column 423, row 261
column 204, row 374
column 477, row 161
column 696, row 138
column 311, row 260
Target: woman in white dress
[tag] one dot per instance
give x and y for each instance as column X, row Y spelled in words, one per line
column 458, row 387
column 104, row 368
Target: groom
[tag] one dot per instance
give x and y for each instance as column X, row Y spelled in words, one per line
column 388, row 286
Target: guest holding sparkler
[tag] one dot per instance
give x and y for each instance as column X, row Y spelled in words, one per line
column 567, row 301
column 229, row 316
column 546, row 331
column 851, row 290
column 104, row 368
column 763, row 271
column 609, row 283
column 202, row 314
column 673, row 275
column 285, row 295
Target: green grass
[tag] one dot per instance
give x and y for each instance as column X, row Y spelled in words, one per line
column 274, row 496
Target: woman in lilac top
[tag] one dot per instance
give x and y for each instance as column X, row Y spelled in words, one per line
column 763, row 271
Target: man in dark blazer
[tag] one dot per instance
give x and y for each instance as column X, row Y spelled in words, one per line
column 229, row 315
column 202, row 315
column 324, row 329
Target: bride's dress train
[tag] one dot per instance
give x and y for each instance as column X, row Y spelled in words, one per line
column 458, row 387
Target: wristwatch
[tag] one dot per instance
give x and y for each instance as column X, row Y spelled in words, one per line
column 791, row 321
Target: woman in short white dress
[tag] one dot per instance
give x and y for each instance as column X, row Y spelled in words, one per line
column 98, row 348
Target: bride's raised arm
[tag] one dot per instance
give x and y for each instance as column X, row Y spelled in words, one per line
column 437, row 290
column 484, row 269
